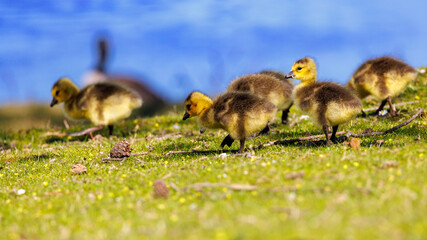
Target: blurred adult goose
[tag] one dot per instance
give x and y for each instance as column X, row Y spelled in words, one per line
column 99, row 74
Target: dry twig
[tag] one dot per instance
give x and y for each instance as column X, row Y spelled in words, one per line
column 143, row 153
column 395, row 105
column 106, row 160
column 237, row 187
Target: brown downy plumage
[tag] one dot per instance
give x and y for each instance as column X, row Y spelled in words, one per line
column 327, row 103
column 240, row 114
column 270, row 85
column 383, row 78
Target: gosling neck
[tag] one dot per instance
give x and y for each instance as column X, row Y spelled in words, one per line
column 309, row 77
column 203, row 105
column 207, row 118
column 73, row 90
column 308, row 81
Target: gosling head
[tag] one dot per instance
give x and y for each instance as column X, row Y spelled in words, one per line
column 304, row 70
column 195, row 104
column 63, row 90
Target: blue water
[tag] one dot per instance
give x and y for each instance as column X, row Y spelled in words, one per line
column 180, row 46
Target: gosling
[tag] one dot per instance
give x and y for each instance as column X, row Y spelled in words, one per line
column 383, row 78
column 270, row 85
column 240, row 114
column 102, row 103
column 327, row 103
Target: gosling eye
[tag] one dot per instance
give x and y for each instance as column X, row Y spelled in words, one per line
column 57, row 93
column 299, row 68
column 188, row 106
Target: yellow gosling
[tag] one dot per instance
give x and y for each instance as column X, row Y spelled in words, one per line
column 240, row 114
column 102, row 103
column 383, row 78
column 327, row 103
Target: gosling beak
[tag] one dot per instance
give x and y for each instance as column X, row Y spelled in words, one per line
column 186, row 115
column 290, row 75
column 54, row 101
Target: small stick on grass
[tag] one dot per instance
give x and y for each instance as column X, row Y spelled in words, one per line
column 418, row 113
column 106, row 160
column 233, row 186
column 395, row 105
column 237, row 187
column 143, row 153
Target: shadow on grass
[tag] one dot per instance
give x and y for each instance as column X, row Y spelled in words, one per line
column 34, row 157
column 305, row 143
column 54, row 139
column 119, row 132
column 202, row 152
column 292, row 142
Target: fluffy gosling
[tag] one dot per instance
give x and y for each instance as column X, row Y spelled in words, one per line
column 102, row 103
column 327, row 103
column 270, row 85
column 240, row 114
column 383, row 78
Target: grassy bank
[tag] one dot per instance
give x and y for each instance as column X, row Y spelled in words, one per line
column 304, row 190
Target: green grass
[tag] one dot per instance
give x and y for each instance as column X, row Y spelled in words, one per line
column 378, row 192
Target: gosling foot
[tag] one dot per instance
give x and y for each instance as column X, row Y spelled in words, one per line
column 265, row 131
column 228, row 140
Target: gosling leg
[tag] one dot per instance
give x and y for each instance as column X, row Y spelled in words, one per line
column 380, row 107
column 334, row 131
column 392, row 110
column 110, row 130
column 285, row 115
column 228, row 140
column 242, row 145
column 325, row 130
column 265, row 131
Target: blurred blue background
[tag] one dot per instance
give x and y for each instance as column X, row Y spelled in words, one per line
column 180, row 46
